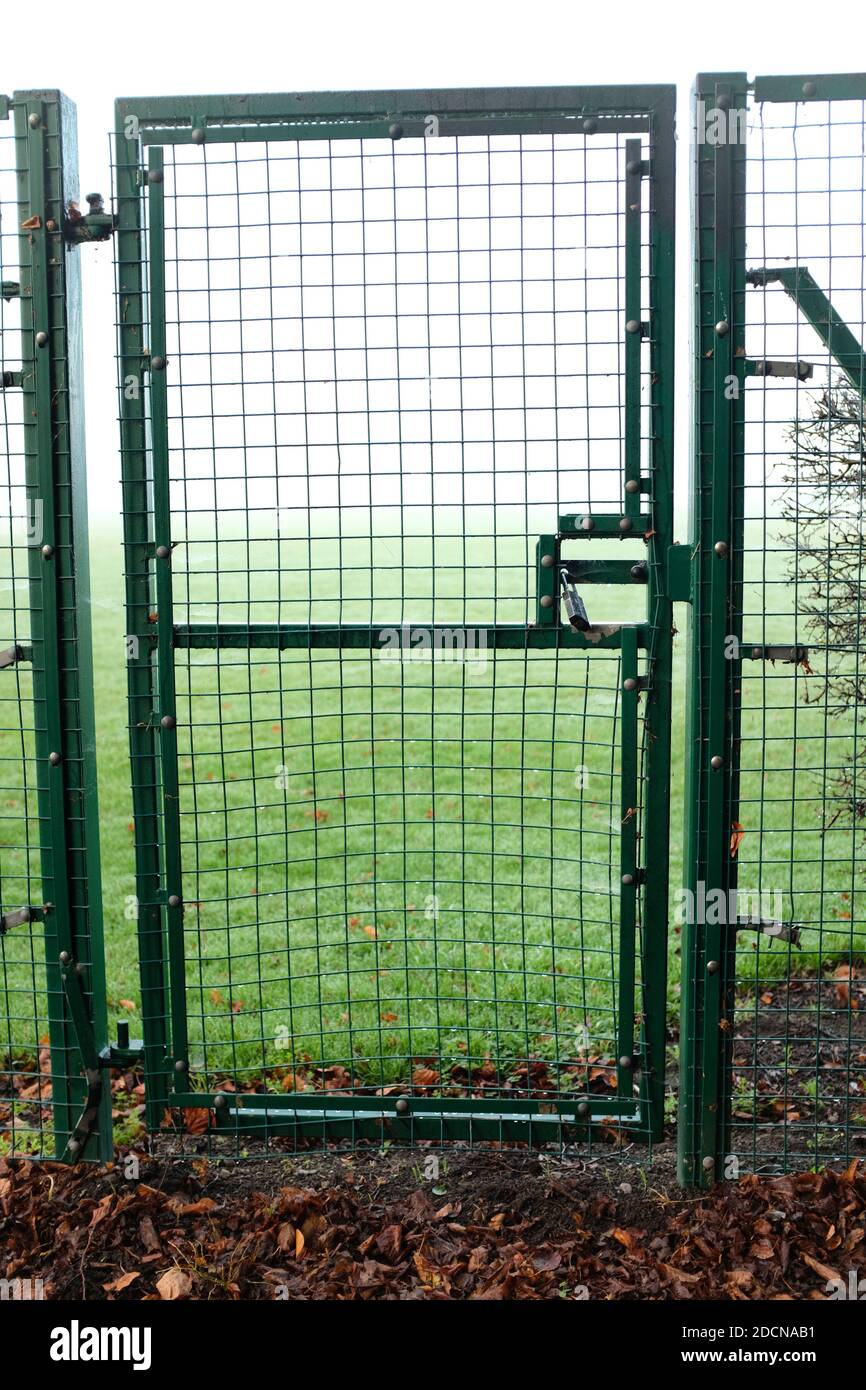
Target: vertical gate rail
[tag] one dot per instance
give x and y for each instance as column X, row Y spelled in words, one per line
column 69, row 915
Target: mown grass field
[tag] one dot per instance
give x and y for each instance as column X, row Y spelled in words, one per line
column 391, row 863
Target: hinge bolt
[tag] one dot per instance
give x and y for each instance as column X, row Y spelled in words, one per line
column 157, row 364
column 590, row 125
column 154, row 176
column 168, row 721
column 708, row 1164
column 174, row 900
column 626, row 524
column 721, row 547
column 65, row 958
column 716, row 762
column 629, row 683
column 546, row 601
column 634, row 166
column 626, row 1063
column 402, row 1106
column 34, row 120
column 632, row 485
column 197, row 135
column 809, row 89
column 74, row 1147
column 221, row 1101
column 41, row 338
column 47, row 551
column 395, row 131
column 712, row 967
column 627, row 880
column 723, row 328
column 587, row 524
column 583, row 1108
column 180, row 1064
column 55, row 759
column 163, row 551
column 547, row 562
column 633, row 326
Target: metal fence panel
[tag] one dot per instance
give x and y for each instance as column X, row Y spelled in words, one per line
column 389, row 362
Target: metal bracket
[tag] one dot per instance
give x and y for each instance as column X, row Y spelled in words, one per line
column 8, row 379
column 680, row 573
column 10, row 656
column 771, row 652
column 71, row 978
column 766, row 367
column 768, row 926
column 17, row 917
column 9, row 289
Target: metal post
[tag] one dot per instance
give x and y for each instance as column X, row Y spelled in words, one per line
column 52, row 386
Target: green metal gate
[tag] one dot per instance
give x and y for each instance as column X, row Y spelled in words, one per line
column 397, row 378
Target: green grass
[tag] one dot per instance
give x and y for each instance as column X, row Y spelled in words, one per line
column 324, row 800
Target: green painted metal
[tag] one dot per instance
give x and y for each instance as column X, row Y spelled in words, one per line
column 716, row 528
column 813, row 303
column 61, row 644
column 147, row 132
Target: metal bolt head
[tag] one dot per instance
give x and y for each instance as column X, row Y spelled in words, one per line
column 708, row 1164
column 633, row 166
column 629, row 683
column 723, row 101
column 583, row 1108
column 756, row 653
column 155, row 176
column 632, row 485
column 174, row 900
column 221, row 1101
column 55, row 759
column 546, row 601
column 590, row 125
column 547, row 562
column 157, row 364
column 163, row 551
column 197, row 135
column 65, row 958
column 809, row 89
column 395, row 131
column 34, row 120
column 712, row 967
column 180, row 1064
column 168, row 721
column 633, row 326
column 626, row 1063
column 723, row 328
column 50, row 225
column 721, row 547
column 47, row 551
column 638, row 571
column 627, row 880
column 402, row 1106
column 626, row 524
column 716, row 762
column 74, row 1147
column 41, row 338
column 587, row 524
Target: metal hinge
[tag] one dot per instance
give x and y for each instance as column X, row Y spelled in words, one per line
column 10, row 289
column 95, row 225
column 70, row 974
column 768, row 926
column 17, row 917
column 11, row 655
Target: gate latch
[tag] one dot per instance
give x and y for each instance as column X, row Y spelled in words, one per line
column 575, row 608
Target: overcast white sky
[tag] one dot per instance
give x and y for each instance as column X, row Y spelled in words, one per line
column 95, row 54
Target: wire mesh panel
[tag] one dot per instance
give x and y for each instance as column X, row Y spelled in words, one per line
column 389, row 402
column 25, row 1082
column 780, row 244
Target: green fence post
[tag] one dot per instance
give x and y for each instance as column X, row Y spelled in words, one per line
column 52, row 386
column 716, row 529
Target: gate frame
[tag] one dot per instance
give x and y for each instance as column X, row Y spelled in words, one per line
column 150, row 123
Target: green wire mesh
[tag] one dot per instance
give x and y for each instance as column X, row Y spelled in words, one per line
column 392, row 365
column 25, row 1069
column 798, row 1067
